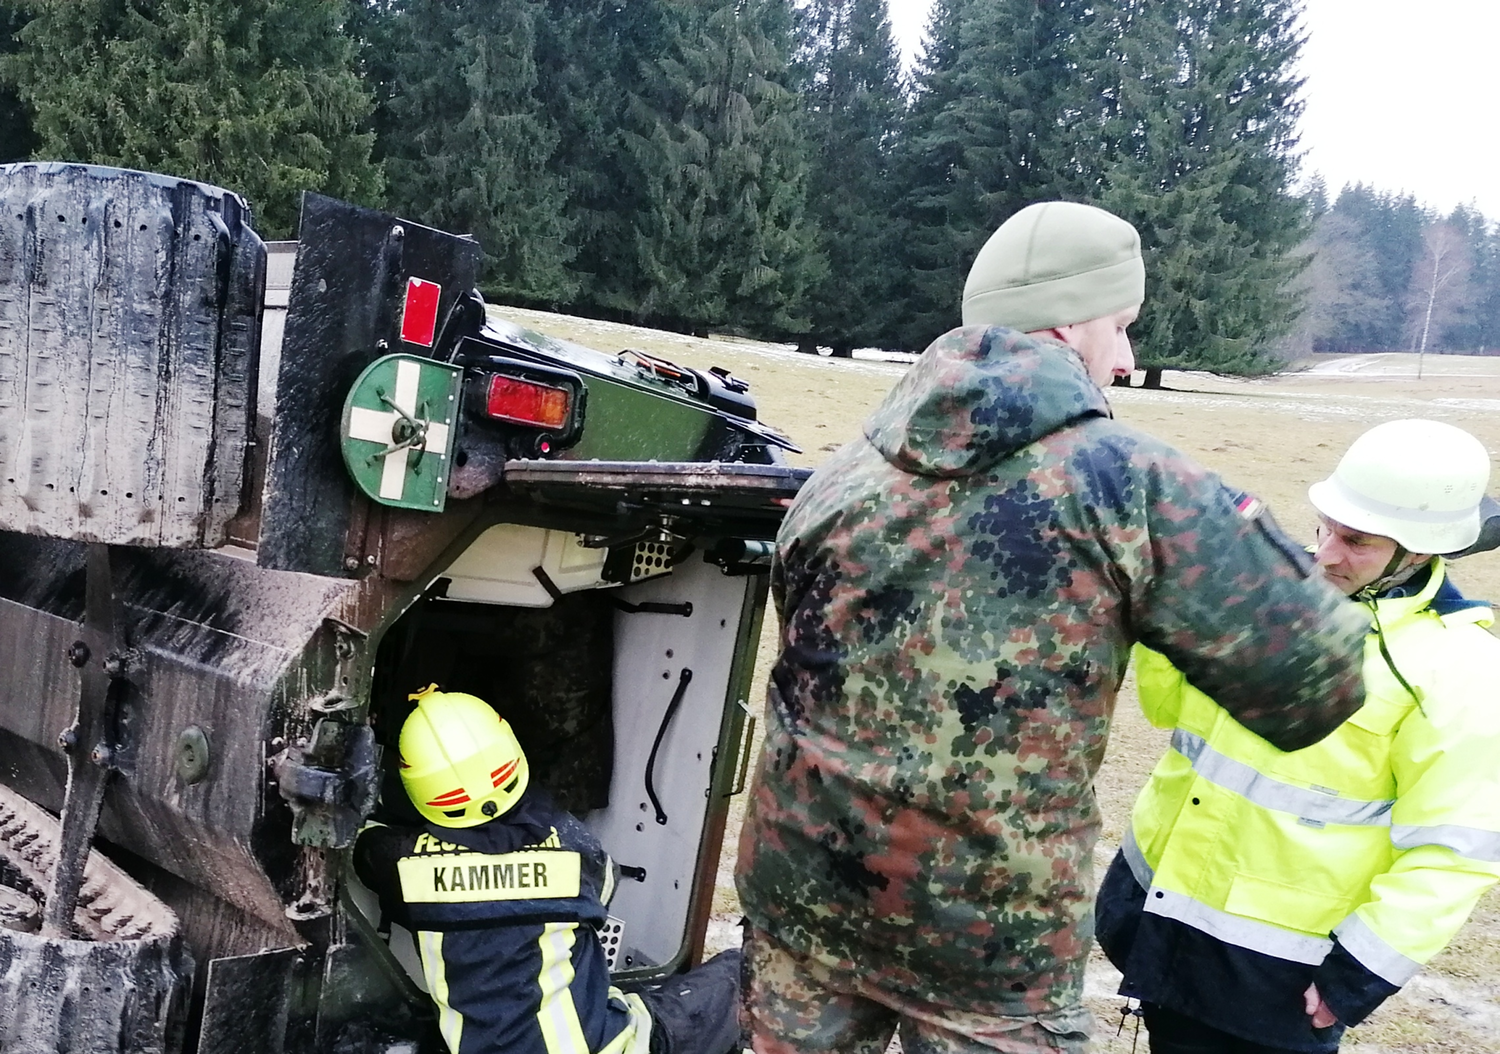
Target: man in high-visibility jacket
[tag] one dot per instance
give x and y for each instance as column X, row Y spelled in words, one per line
column 1264, row 901
column 505, row 891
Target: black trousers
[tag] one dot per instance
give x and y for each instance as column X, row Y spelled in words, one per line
column 1174, row 1033
column 697, row 1012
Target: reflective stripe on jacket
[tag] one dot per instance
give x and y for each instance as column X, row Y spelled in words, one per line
column 1383, row 835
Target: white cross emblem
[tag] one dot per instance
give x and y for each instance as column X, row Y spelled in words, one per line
column 379, row 426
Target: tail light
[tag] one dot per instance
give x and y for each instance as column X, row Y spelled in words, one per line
column 525, row 402
column 522, row 409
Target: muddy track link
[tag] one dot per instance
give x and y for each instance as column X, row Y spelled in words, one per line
column 120, row 987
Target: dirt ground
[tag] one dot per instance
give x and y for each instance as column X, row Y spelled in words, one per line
column 1271, row 436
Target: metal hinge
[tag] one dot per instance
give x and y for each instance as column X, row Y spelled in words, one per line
column 330, row 780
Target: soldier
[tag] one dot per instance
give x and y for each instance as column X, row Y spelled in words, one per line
column 504, row 892
column 1314, row 885
column 959, row 589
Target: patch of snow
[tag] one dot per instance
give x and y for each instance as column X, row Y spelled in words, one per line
column 1310, row 405
column 1402, row 364
column 1101, row 980
column 1474, row 1004
column 868, row 361
column 723, row 933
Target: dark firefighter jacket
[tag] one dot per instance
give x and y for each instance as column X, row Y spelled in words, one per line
column 505, row 918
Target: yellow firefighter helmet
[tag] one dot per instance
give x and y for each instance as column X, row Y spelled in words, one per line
column 460, row 761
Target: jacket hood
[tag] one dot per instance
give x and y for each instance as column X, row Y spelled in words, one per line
column 976, row 396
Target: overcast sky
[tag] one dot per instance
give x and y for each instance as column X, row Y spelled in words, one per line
column 1401, row 94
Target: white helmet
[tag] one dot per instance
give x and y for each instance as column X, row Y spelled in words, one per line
column 1419, row 482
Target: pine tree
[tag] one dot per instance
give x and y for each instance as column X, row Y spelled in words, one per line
column 1315, row 197
column 991, row 130
column 16, row 137
column 714, row 145
column 1485, row 337
column 1340, row 288
column 1385, row 231
column 852, row 97
column 464, row 143
column 259, row 96
column 592, row 59
column 1200, row 103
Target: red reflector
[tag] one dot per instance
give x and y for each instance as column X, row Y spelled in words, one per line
column 503, row 773
column 528, row 403
column 453, row 797
column 419, row 313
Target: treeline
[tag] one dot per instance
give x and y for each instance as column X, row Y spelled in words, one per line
column 754, row 166
column 1387, row 274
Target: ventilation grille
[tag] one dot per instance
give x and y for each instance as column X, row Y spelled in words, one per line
column 610, row 936
column 651, row 559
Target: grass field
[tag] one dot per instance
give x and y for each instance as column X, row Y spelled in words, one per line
column 1271, row 436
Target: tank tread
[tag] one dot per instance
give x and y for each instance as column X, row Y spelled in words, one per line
column 111, row 905
column 121, row 986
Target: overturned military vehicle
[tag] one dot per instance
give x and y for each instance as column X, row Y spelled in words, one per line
column 242, row 519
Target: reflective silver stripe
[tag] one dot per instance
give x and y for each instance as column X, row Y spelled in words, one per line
column 1373, row 953
column 1223, row 771
column 1136, row 859
column 1237, row 930
column 1472, row 842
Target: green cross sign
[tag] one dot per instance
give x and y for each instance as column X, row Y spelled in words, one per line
column 398, row 430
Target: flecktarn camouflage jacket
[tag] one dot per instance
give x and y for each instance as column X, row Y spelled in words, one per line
column 959, row 591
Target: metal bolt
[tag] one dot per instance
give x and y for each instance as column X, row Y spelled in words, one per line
column 78, row 653
column 102, row 755
column 115, row 665
column 351, row 563
column 192, row 754
column 370, row 560
column 398, row 231
column 67, row 739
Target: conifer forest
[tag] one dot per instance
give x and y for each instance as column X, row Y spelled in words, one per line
column 768, row 167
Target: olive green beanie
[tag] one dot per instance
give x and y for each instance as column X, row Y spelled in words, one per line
column 1053, row 264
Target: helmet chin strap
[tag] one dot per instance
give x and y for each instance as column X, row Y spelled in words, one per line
column 1393, row 575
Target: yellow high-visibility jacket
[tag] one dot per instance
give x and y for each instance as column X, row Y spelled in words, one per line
column 1382, row 836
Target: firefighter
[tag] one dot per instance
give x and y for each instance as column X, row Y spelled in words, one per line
column 505, row 893
column 1264, row 901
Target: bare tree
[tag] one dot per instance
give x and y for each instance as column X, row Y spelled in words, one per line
column 1439, row 284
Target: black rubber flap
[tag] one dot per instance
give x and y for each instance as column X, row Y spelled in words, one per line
column 347, row 308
